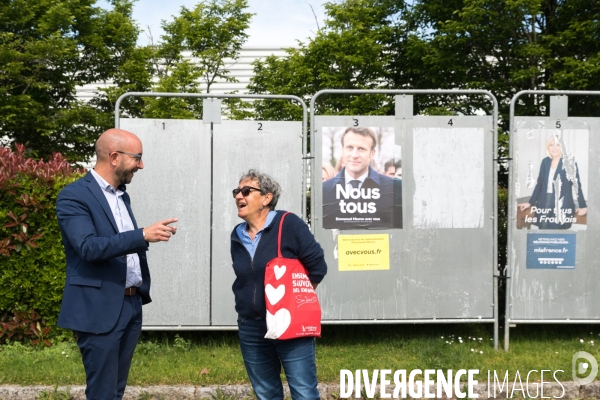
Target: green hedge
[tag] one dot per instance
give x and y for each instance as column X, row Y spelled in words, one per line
column 32, row 260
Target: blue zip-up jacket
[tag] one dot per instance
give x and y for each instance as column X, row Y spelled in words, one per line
column 296, row 242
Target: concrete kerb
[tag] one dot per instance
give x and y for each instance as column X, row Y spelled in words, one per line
column 568, row 390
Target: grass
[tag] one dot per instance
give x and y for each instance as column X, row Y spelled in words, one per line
column 210, row 358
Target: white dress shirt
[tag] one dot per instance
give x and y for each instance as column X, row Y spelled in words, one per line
column 124, row 223
column 550, row 180
column 348, row 178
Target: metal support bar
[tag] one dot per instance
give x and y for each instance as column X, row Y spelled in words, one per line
column 554, row 321
column 336, row 322
column 189, row 328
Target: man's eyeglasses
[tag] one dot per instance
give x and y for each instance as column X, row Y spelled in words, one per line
column 244, row 190
column 138, row 157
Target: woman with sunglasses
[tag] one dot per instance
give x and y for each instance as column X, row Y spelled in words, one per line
column 253, row 245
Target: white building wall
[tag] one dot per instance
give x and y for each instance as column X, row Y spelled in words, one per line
column 242, row 70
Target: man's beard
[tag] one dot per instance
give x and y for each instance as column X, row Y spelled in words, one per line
column 124, row 175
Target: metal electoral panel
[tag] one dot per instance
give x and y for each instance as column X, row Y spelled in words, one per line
column 436, row 249
column 554, row 258
column 271, row 147
column 175, row 182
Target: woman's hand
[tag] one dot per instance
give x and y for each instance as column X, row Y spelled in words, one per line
column 523, row 206
column 581, row 212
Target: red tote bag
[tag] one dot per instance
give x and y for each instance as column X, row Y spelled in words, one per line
column 293, row 309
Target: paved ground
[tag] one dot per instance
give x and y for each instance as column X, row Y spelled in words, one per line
column 328, row 391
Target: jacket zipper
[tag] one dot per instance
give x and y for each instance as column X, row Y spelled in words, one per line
column 252, row 269
column 254, row 279
column 253, row 276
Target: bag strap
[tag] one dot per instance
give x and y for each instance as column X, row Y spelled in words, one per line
column 279, row 236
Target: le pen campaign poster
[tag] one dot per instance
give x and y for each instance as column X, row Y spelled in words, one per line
column 552, row 179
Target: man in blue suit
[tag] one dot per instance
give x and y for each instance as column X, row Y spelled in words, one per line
column 359, row 197
column 107, row 273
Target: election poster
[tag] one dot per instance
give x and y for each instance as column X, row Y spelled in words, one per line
column 362, row 178
column 552, row 179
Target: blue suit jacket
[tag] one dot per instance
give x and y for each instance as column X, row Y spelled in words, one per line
column 567, row 186
column 96, row 258
column 388, row 206
column 566, row 191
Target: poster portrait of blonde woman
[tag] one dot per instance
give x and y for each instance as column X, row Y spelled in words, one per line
column 552, row 179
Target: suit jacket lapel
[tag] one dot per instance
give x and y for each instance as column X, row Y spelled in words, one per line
column 97, row 192
column 339, row 179
column 374, row 176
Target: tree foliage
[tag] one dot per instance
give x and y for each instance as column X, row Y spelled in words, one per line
column 503, row 46
column 47, row 49
column 352, row 51
column 198, row 47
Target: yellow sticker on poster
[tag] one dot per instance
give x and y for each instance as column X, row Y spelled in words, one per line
column 363, row 252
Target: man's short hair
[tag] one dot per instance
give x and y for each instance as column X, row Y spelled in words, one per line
column 388, row 164
column 363, row 131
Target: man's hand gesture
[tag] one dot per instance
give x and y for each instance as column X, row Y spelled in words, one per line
column 160, row 231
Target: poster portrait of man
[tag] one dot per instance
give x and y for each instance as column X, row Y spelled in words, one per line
column 361, row 186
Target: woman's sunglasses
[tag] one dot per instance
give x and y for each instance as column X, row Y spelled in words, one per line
column 244, row 190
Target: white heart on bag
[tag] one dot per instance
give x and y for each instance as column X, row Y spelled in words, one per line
column 274, row 295
column 278, row 323
column 279, row 271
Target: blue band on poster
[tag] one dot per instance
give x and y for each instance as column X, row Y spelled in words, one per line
column 551, row 251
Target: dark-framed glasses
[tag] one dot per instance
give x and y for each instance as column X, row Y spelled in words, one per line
column 245, row 191
column 137, row 157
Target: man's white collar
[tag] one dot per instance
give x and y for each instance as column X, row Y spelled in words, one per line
column 361, row 178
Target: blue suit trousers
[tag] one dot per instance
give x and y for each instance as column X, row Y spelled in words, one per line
column 107, row 356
